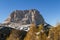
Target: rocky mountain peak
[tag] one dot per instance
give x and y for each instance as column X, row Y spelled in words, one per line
column 24, row 17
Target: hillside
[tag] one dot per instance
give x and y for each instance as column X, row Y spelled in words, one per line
column 34, row 33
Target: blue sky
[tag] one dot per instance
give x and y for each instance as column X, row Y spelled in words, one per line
column 49, row 9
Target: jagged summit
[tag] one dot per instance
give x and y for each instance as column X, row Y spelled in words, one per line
column 22, row 19
column 25, row 17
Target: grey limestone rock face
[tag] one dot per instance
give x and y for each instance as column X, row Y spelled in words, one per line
column 24, row 17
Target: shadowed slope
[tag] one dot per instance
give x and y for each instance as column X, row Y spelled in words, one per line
column 7, row 33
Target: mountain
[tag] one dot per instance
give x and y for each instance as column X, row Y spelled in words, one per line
column 25, row 25
column 25, row 17
column 22, row 19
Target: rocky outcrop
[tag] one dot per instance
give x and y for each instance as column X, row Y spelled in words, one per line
column 24, row 17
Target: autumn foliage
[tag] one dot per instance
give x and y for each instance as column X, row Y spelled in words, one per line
column 54, row 33
column 40, row 34
column 35, row 33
